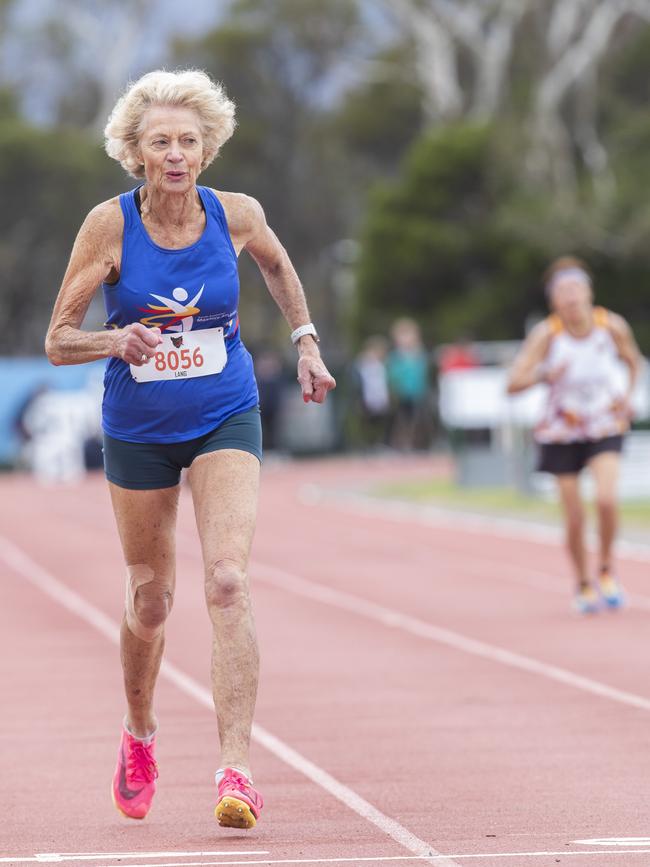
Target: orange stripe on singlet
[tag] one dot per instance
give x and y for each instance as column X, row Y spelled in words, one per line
column 600, row 318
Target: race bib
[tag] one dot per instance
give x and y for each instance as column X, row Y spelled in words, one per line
column 184, row 356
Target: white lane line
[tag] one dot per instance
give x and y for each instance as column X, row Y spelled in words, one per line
column 394, row 619
column 377, row 859
column 62, row 857
column 59, row 859
column 561, row 852
column 23, row 565
column 455, row 519
column 614, row 841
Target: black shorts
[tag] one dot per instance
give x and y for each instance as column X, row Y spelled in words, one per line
column 571, row 458
column 147, row 466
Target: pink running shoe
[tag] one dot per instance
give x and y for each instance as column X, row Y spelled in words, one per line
column 134, row 781
column 239, row 804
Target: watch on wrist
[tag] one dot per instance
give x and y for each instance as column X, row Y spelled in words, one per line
column 303, row 331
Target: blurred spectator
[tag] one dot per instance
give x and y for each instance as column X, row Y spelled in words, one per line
column 407, row 368
column 460, row 355
column 372, row 384
column 270, row 382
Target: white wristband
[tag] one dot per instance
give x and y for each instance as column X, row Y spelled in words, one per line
column 310, row 328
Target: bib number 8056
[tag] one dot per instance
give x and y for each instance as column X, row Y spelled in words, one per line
column 183, row 360
column 185, row 356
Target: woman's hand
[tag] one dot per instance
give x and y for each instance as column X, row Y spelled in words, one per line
column 623, row 407
column 136, row 344
column 554, row 374
column 314, row 378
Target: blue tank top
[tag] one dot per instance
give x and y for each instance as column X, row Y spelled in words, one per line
column 176, row 290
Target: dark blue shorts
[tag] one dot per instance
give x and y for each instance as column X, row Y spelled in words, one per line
column 570, row 458
column 147, row 466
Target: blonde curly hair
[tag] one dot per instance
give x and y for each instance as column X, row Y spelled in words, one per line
column 189, row 88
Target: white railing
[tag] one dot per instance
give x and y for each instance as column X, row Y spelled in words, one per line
column 477, row 399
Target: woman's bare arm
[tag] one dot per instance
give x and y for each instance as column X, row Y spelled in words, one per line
column 94, row 258
column 525, row 371
column 250, row 231
column 628, row 349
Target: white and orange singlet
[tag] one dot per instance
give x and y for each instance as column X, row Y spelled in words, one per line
column 587, row 401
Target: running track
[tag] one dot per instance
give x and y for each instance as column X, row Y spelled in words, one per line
column 426, row 695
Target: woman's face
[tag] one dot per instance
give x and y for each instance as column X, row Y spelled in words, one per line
column 171, row 148
column 571, row 299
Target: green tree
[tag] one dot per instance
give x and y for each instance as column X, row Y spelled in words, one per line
column 460, row 242
column 433, row 246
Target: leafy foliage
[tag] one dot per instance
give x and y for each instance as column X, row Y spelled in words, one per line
column 436, row 244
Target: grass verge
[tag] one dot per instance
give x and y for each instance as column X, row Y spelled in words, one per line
column 504, row 501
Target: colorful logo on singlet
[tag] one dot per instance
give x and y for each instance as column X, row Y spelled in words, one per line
column 177, row 314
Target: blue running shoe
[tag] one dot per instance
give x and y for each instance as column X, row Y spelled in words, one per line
column 610, row 590
column 586, row 600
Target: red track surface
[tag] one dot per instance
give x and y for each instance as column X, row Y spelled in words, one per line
column 476, row 752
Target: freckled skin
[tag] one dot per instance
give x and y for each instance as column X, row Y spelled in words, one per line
column 224, row 483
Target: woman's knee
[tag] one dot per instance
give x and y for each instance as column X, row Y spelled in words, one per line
column 575, row 518
column 226, row 584
column 606, row 504
column 149, row 600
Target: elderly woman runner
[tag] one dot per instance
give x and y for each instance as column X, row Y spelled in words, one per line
column 180, row 392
